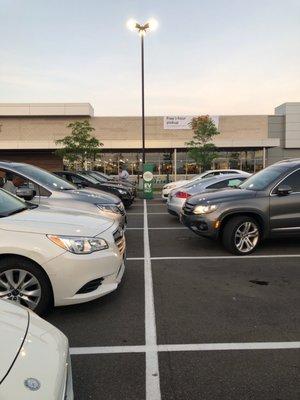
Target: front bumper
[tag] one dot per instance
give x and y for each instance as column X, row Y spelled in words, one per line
column 70, row 273
column 202, row 225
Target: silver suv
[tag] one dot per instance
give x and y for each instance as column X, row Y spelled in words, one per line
column 43, row 188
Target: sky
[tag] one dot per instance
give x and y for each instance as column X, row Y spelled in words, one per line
column 218, row 57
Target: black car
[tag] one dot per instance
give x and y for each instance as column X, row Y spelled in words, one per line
column 266, row 205
column 83, row 181
column 104, row 178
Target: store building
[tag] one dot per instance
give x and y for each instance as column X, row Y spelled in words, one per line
column 28, row 133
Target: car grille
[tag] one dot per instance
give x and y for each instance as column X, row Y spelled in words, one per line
column 188, row 208
column 120, row 240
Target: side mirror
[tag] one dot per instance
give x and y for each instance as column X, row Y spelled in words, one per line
column 284, row 190
column 26, row 193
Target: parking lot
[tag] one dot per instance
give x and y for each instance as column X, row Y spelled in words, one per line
column 189, row 321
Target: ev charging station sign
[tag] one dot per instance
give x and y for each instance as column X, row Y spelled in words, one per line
column 148, row 181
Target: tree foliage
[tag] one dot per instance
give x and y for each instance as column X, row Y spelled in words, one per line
column 200, row 148
column 80, row 146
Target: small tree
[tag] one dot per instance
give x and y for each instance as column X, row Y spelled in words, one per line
column 200, row 147
column 80, row 146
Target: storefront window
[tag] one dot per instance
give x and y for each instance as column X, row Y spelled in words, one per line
column 163, row 161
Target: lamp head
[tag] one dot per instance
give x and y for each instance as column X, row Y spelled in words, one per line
column 150, row 25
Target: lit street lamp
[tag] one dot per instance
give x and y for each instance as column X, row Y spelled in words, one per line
column 151, row 25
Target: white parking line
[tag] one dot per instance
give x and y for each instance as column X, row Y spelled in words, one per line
column 107, row 350
column 186, row 347
column 150, row 213
column 152, row 368
column 156, row 229
column 228, row 257
column 217, row 257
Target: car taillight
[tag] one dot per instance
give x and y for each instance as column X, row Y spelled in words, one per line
column 182, row 195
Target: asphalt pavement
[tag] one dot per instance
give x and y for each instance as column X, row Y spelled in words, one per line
column 189, row 321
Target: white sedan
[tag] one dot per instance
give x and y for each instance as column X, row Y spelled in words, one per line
column 51, row 256
column 35, row 362
column 207, row 174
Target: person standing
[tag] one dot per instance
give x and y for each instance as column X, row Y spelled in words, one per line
column 124, row 175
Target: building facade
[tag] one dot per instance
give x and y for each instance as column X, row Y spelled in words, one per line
column 28, row 133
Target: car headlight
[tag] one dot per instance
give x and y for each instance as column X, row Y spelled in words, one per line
column 204, row 209
column 79, row 245
column 121, row 191
column 110, row 208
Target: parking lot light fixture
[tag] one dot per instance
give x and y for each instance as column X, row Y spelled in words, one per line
column 142, row 29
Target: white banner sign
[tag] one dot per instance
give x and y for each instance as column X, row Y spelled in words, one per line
column 177, row 122
column 183, row 121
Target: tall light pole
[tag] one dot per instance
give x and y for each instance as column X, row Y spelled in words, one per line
column 151, row 25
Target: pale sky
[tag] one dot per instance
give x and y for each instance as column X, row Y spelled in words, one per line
column 207, row 57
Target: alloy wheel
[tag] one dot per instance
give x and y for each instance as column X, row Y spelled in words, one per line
column 20, row 286
column 246, row 237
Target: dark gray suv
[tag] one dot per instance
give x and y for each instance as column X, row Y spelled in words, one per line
column 266, row 205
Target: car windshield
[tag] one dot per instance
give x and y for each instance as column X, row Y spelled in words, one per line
column 10, row 204
column 44, row 178
column 103, row 175
column 98, row 177
column 89, row 178
column 263, row 178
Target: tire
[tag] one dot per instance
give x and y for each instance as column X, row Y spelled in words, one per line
column 235, row 238
column 31, row 279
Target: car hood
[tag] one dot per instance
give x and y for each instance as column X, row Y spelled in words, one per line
column 13, row 327
column 221, row 196
column 56, row 221
column 95, row 196
column 42, row 343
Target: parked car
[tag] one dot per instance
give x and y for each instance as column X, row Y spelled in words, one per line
column 54, row 256
column 35, row 361
column 42, row 187
column 85, row 181
column 177, row 197
column 266, row 205
column 101, row 177
column 207, row 174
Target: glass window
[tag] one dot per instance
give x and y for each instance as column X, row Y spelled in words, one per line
column 235, row 182
column 11, row 182
column 227, row 183
column 264, row 178
column 75, row 179
column 293, row 181
column 42, row 177
column 10, row 204
column 87, row 178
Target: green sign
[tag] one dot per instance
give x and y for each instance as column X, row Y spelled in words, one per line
column 148, row 181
